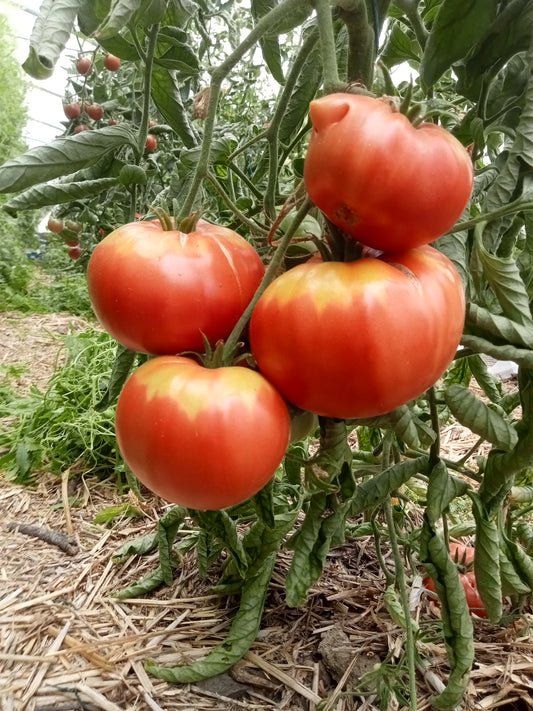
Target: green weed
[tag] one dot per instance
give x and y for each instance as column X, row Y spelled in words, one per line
column 60, row 428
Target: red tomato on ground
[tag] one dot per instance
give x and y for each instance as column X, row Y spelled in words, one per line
column 358, row 339
column 158, row 291
column 205, row 438
column 473, row 598
column 462, row 554
column 385, row 182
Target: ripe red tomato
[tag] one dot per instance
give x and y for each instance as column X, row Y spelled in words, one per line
column 205, row 438
column 358, row 339
column 151, row 143
column 75, row 252
column 71, row 242
column 95, row 111
column 383, row 181
column 473, row 598
column 111, row 63
column 81, row 127
column 72, row 110
column 158, row 291
column 84, row 65
column 55, row 225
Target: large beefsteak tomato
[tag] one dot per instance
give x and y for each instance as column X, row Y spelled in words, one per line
column 160, row 291
column 199, row 437
column 383, row 181
column 358, row 339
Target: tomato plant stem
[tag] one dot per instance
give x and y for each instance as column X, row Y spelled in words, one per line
column 218, row 74
column 401, row 586
column 270, row 275
column 327, row 46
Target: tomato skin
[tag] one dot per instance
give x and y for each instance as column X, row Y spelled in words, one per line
column 462, row 554
column 384, row 182
column 151, row 143
column 84, row 65
column 473, row 598
column 75, row 252
column 199, row 437
column 72, row 110
column 55, row 225
column 95, row 111
column 111, row 63
column 358, row 339
column 157, row 291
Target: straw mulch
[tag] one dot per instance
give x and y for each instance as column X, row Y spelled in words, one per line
column 67, row 643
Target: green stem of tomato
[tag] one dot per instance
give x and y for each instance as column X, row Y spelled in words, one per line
column 272, row 133
column 332, row 82
column 270, row 274
column 218, row 74
column 401, row 586
column 512, row 207
column 253, row 226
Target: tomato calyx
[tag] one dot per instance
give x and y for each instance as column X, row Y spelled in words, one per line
column 188, row 224
column 167, row 223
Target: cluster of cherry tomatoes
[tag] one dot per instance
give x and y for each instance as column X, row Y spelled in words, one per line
column 341, row 339
column 69, row 230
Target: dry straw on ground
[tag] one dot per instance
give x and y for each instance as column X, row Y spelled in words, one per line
column 66, row 643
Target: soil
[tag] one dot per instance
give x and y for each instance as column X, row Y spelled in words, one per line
column 67, row 643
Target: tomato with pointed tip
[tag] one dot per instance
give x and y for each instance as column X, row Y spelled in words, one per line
column 162, row 291
column 383, row 181
column 204, row 438
column 359, row 339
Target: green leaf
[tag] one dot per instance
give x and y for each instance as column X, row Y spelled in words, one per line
column 241, row 636
column 92, row 13
column 50, row 34
column 487, row 560
column 139, row 546
column 62, row 157
column 480, row 418
column 483, row 320
column 110, row 513
column 167, row 528
column 506, row 281
column 120, row 13
column 487, row 382
column 221, row 525
column 55, row 194
column 174, row 52
column 269, row 43
column 142, row 587
column 400, row 47
column 150, row 12
column 458, row 28
column 375, row 490
column 122, row 366
column 167, row 98
column 500, row 352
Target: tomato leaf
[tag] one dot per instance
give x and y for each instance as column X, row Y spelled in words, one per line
column 487, row 560
column 456, row 621
column 120, row 13
column 139, row 546
column 55, row 194
column 122, row 366
column 175, row 53
column 221, row 525
column 506, row 281
column 501, row 352
column 61, row 157
column 167, row 528
column 400, row 47
column 501, row 327
column 167, row 98
column 372, row 492
column 50, row 34
column 487, row 382
column 142, row 587
column 479, row 418
column 324, row 520
column 458, row 27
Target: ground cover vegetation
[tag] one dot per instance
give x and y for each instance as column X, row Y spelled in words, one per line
column 301, row 263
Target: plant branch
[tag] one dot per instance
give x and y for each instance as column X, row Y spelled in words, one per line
column 327, row 44
column 218, row 74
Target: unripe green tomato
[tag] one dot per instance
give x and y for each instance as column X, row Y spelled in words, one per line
column 303, row 424
column 132, row 175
